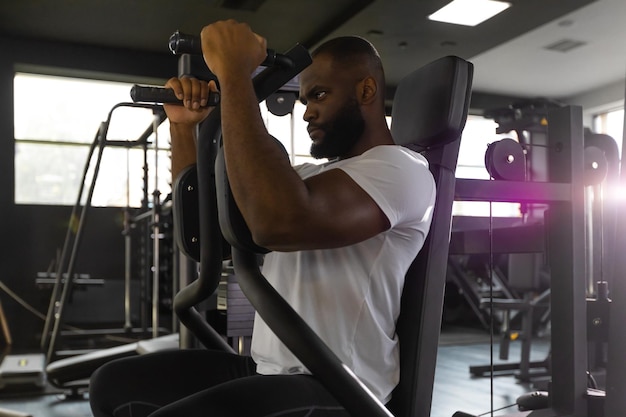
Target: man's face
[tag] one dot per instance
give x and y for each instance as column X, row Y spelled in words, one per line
column 335, row 122
column 336, row 137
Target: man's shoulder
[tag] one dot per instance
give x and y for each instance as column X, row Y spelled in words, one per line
column 308, row 169
column 395, row 154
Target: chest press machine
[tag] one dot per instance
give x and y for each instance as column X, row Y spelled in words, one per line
column 429, row 113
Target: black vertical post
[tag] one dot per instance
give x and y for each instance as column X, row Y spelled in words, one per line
column 566, row 257
column 616, row 368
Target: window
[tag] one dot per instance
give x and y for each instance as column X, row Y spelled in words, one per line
column 291, row 131
column 54, row 131
column 611, row 123
column 56, row 121
column 479, row 132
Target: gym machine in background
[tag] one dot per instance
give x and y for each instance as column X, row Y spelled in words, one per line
column 149, row 236
column 563, row 193
column 149, row 221
column 526, row 314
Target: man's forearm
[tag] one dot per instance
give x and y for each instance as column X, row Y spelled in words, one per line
column 183, row 147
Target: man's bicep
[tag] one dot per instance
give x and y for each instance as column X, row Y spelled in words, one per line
column 353, row 210
column 339, row 213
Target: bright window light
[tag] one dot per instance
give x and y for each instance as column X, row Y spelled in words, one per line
column 469, row 12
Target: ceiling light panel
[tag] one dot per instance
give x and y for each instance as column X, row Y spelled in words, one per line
column 469, row 12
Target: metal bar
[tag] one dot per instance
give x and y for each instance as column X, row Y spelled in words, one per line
column 566, row 257
column 68, row 284
column 616, row 368
column 127, row 268
column 156, row 233
column 69, row 237
column 515, row 239
column 510, row 191
column 4, row 327
column 298, row 337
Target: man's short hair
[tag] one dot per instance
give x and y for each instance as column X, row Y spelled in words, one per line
column 348, row 50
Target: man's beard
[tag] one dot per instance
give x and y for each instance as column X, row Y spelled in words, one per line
column 341, row 134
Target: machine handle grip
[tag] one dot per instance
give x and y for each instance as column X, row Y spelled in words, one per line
column 147, row 94
column 182, row 43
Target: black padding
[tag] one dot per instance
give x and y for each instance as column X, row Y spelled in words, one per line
column 431, row 113
column 211, row 241
column 232, row 223
column 432, row 104
column 185, row 213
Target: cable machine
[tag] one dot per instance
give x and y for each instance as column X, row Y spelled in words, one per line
column 566, row 253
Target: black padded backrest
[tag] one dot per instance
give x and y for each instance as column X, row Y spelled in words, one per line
column 429, row 110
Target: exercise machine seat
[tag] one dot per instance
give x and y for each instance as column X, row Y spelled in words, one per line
column 429, row 113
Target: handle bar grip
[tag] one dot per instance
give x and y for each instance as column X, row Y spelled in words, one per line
column 147, row 94
column 182, row 43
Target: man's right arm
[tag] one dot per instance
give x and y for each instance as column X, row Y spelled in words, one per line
column 184, row 119
column 183, row 147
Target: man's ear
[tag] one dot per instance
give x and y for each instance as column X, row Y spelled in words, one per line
column 367, row 90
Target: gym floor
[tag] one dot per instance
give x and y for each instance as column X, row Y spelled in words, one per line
column 455, row 389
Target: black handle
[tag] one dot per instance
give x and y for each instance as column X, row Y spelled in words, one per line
column 147, row 94
column 182, row 43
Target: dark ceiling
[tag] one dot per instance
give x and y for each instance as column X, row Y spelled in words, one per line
column 400, row 29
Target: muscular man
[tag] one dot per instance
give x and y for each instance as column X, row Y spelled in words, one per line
column 342, row 236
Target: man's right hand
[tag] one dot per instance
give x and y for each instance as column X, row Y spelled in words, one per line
column 184, row 119
column 194, row 94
